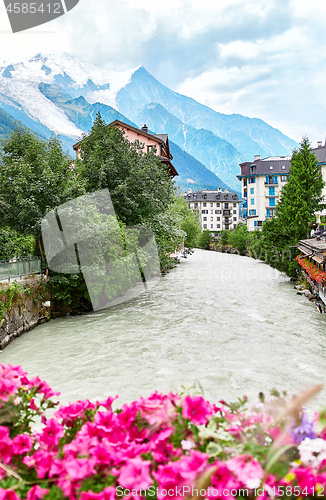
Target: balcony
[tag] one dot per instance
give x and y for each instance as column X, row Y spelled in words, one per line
column 271, row 183
column 227, row 213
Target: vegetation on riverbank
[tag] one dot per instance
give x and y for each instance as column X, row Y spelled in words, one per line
column 36, row 176
column 163, row 446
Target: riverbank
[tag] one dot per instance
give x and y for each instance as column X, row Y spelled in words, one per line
column 23, row 305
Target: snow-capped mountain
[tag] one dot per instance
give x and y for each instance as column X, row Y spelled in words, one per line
column 58, row 92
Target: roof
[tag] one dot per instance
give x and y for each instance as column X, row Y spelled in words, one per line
column 320, row 153
column 156, row 138
column 313, row 244
column 211, row 195
column 262, row 166
column 164, row 137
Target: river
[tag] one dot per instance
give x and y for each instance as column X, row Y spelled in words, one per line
column 230, row 322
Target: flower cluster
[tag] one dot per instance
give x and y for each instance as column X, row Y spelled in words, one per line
column 166, row 445
column 313, row 271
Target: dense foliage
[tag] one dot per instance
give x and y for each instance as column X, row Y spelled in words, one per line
column 164, row 446
column 14, row 243
column 140, row 187
column 36, row 176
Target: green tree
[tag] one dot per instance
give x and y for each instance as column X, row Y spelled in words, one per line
column 240, row 238
column 141, row 190
column 224, row 239
column 205, row 239
column 35, row 177
column 13, row 244
column 301, row 197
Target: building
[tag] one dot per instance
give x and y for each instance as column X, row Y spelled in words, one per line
column 262, row 181
column 158, row 143
column 217, row 209
column 320, row 152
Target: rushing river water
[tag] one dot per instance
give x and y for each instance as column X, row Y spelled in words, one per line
column 230, row 322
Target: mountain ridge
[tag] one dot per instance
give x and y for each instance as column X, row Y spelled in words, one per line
column 58, row 92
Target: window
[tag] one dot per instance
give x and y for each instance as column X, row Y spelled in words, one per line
column 227, row 226
column 283, row 167
column 252, row 180
column 226, row 205
column 196, row 205
column 234, row 205
column 150, row 148
column 272, row 202
column 258, row 223
column 204, row 204
column 211, row 218
column 252, row 168
column 204, row 196
column 252, row 201
column 218, row 225
column 252, row 190
column 218, row 218
column 205, row 226
column 216, row 211
column 272, row 191
column 234, row 218
column 271, row 167
column 205, row 218
column 204, row 211
column 212, row 226
column 212, row 210
column 234, row 211
column 219, row 211
column 252, row 212
column 283, row 178
column 211, row 204
column 217, row 204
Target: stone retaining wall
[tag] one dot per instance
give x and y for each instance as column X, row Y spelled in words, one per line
column 25, row 313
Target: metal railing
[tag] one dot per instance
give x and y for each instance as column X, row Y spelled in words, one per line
column 22, row 266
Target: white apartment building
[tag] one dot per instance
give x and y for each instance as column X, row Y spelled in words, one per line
column 320, row 152
column 217, row 209
column 262, row 181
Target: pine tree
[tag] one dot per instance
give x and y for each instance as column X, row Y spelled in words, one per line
column 301, row 197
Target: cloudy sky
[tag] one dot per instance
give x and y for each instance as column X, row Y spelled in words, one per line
column 259, row 58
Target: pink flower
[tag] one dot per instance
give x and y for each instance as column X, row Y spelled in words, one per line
column 70, row 413
column 5, row 445
column 7, row 388
column 247, row 469
column 36, row 493
column 42, row 460
column 107, row 403
column 22, row 444
column 223, row 481
column 179, row 474
column 32, row 405
column 135, row 474
column 79, row 468
column 106, row 494
column 51, row 434
column 42, row 387
column 158, row 409
column 8, row 495
column 197, row 409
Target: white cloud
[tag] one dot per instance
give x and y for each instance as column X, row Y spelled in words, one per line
column 262, row 59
